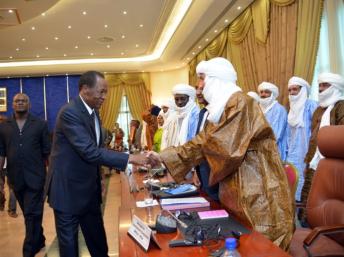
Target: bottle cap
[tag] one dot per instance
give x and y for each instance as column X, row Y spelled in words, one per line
column 231, row 243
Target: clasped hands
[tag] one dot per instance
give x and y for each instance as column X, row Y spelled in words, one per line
column 148, row 159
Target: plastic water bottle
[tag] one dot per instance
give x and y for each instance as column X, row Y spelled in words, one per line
column 231, row 248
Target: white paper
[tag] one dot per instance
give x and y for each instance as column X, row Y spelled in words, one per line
column 183, row 200
column 142, row 204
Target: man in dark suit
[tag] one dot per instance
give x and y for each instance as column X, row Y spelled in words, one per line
column 74, row 189
column 24, row 140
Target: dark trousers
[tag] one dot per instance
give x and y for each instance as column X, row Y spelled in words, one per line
column 92, row 227
column 31, row 203
column 309, row 174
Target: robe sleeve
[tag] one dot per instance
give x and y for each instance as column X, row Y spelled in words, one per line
column 223, row 145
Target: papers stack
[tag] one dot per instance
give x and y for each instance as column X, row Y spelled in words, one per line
column 184, row 203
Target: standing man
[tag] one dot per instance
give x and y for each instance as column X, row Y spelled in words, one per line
column 241, row 150
column 329, row 112
column 181, row 125
column 275, row 113
column 203, row 169
column 24, row 140
column 299, row 126
column 74, row 188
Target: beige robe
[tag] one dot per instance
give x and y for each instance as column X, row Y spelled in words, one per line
column 242, row 153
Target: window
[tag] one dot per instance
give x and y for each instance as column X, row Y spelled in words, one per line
column 330, row 57
column 124, row 118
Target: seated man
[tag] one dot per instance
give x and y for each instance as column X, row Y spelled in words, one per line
column 275, row 114
column 241, row 150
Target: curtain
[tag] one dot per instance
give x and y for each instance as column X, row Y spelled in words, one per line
column 261, row 45
column 273, row 61
column 33, row 87
column 137, row 88
column 308, row 23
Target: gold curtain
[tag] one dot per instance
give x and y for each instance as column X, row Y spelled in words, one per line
column 282, row 2
column 110, row 108
column 309, row 19
column 260, row 16
column 239, row 28
column 137, row 89
column 273, row 61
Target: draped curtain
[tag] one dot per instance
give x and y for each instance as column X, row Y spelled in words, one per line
column 261, row 43
column 137, row 88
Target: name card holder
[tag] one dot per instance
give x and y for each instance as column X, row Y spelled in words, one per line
column 141, row 233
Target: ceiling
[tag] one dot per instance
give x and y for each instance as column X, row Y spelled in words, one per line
column 47, row 37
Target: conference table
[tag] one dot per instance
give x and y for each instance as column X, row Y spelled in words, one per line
column 250, row 245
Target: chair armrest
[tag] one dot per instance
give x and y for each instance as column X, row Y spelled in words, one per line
column 321, row 230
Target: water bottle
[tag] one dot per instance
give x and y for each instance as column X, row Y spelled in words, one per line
column 231, row 248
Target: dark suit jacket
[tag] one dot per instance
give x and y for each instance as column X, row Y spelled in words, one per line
column 74, row 178
column 26, row 152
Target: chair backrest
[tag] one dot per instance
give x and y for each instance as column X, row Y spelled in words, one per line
column 325, row 204
column 292, row 175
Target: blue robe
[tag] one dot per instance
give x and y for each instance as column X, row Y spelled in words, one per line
column 298, row 141
column 277, row 117
column 193, row 121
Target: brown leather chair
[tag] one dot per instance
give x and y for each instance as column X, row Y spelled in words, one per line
column 325, row 204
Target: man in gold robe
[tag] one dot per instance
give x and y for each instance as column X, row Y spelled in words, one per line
column 241, row 150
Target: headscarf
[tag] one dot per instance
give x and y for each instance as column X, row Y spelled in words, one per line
column 220, row 84
column 267, row 103
column 327, row 99
column 184, row 89
column 171, row 107
column 297, row 102
column 254, row 95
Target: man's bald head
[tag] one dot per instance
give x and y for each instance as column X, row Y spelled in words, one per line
column 21, row 103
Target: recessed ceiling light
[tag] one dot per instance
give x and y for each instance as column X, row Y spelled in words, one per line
column 193, row 53
column 177, row 67
column 92, row 54
column 47, row 75
column 84, row 13
column 11, row 57
column 10, row 11
column 88, row 37
column 105, row 26
column 123, row 36
column 17, row 49
column 76, row 47
column 122, row 53
column 33, row 28
column 207, row 39
column 56, row 38
column 183, row 63
column 142, row 71
column 46, row 48
column 43, row 13
column 69, row 27
column 199, row 47
column 37, row 56
column 226, row 21
column 23, row 39
column 215, row 31
column 64, row 55
column 137, row 45
column 108, row 46
column 124, row 12
column 188, row 58
column 141, row 25
column 239, row 8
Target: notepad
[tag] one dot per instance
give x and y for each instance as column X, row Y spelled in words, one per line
column 215, row 214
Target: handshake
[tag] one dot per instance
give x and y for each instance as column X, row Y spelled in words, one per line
column 149, row 159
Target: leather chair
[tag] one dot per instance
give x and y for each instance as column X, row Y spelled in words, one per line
column 325, row 204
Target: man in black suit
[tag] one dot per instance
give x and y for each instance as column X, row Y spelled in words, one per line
column 74, row 189
column 24, row 140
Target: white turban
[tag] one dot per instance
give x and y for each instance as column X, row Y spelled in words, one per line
column 334, row 79
column 218, row 67
column 219, row 85
column 254, row 95
column 184, row 89
column 269, row 86
column 298, row 81
column 334, row 93
column 267, row 103
column 297, row 102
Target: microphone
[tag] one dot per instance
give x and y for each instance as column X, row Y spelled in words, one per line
column 181, row 223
